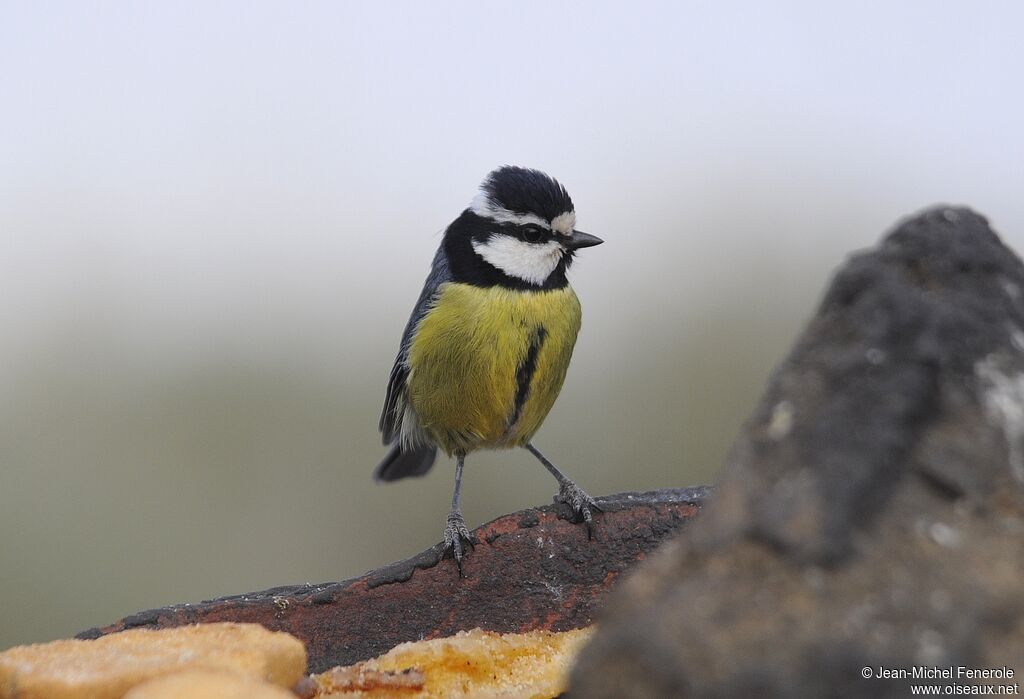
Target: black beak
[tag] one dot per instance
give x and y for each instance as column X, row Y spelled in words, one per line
column 579, row 239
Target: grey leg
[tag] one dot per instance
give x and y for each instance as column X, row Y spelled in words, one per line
column 569, row 493
column 455, row 531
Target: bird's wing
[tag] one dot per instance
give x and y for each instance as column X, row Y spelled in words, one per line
column 390, row 417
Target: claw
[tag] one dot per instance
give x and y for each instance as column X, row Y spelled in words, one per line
column 456, row 532
column 580, row 503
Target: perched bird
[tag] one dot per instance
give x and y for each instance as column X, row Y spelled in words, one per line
column 486, row 349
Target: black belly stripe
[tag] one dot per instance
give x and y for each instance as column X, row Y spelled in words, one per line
column 524, row 374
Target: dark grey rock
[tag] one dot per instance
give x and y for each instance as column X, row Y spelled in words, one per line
column 872, row 511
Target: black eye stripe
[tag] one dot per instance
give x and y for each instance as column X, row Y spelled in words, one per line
column 529, row 232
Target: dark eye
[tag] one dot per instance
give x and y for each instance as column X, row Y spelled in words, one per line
column 532, row 234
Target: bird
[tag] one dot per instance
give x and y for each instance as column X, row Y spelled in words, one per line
column 486, row 349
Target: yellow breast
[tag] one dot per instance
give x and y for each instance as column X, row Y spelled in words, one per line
column 486, row 364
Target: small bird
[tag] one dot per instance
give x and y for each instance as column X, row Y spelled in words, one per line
column 485, row 352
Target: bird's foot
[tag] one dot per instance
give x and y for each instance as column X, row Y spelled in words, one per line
column 582, row 505
column 455, row 532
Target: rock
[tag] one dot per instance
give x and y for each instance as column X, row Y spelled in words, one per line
column 530, row 570
column 871, row 513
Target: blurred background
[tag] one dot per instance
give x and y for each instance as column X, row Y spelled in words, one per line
column 216, row 217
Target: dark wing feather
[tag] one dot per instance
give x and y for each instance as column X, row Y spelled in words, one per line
column 402, row 464
column 390, row 417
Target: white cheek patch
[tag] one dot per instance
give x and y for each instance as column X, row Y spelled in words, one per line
column 531, row 262
column 564, row 223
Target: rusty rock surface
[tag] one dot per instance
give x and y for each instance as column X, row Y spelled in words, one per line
column 530, row 570
column 871, row 513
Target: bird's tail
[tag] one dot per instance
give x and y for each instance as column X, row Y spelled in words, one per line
column 403, row 463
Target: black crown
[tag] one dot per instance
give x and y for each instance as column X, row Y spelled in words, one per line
column 525, row 191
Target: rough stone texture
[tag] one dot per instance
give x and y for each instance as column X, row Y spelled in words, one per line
column 872, row 511
column 530, row 570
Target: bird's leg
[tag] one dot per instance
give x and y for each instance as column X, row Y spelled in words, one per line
column 570, row 493
column 455, row 531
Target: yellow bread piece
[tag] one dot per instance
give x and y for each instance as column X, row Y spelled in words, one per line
column 207, row 684
column 478, row 664
column 109, row 666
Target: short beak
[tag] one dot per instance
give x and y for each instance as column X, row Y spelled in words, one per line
column 579, row 239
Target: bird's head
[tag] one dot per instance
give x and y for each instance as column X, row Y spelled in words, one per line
column 519, row 231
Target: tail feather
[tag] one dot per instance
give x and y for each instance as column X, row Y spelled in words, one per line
column 399, row 463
